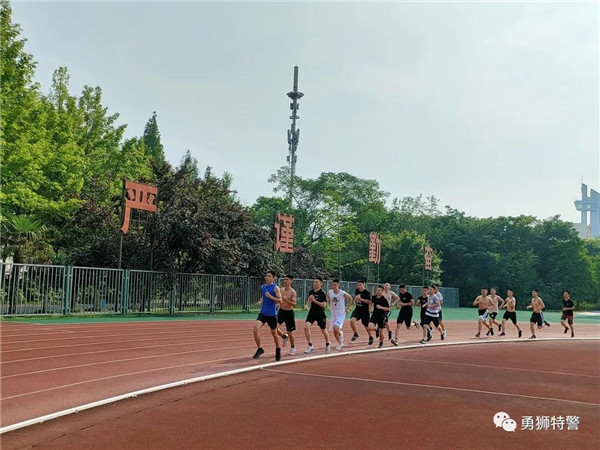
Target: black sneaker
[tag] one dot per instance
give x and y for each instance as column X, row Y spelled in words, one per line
column 277, row 354
column 572, row 334
column 355, row 337
column 395, row 342
column 488, row 333
column 443, row 336
column 422, row 341
column 566, row 330
column 429, row 336
column 532, row 336
column 380, row 344
column 492, row 331
column 546, row 323
column 477, row 335
column 370, row 340
column 259, row 352
column 499, row 328
column 520, row 333
column 502, row 334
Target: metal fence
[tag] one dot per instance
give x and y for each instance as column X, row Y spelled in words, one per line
column 29, row 289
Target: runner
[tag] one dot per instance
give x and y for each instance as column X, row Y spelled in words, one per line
column 432, row 315
column 567, row 312
column 362, row 300
column 391, row 297
column 270, row 297
column 510, row 314
column 405, row 314
column 493, row 311
column 337, row 302
column 317, row 300
column 537, row 305
column 436, row 292
column 286, row 313
column 483, row 302
column 380, row 308
column 422, row 304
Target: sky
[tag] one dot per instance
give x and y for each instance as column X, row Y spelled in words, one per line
column 491, row 107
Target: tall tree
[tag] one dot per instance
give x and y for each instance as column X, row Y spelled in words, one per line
column 151, row 138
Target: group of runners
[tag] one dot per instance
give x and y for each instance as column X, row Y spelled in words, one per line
column 372, row 311
column 489, row 306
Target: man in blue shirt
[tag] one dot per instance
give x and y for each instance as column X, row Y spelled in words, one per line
column 270, row 298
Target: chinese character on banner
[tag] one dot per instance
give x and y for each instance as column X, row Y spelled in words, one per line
column 527, row 423
column 428, row 257
column 542, row 422
column 572, row 423
column 137, row 196
column 284, row 233
column 374, row 247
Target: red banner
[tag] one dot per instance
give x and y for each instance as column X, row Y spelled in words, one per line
column 137, row 196
column 284, row 233
column 374, row 248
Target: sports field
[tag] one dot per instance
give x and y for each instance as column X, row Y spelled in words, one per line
column 167, row 375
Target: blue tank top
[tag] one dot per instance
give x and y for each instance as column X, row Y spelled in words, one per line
column 269, row 307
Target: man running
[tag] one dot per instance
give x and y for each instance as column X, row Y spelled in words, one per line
column 567, row 312
column 438, row 294
column 391, row 297
column 286, row 313
column 511, row 313
column 406, row 303
column 432, row 315
column 380, row 308
column 270, row 298
column 422, row 304
column 483, row 303
column 493, row 311
column 337, row 302
column 362, row 300
column 537, row 305
column 317, row 300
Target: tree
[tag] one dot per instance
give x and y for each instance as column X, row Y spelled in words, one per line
column 152, row 144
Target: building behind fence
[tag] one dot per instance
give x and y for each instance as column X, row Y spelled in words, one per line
column 28, row 289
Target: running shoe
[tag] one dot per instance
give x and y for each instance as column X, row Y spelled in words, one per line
column 520, row 333
column 277, row 354
column 477, row 335
column 532, row 336
column 429, row 335
column 292, row 351
column 339, row 347
column 327, row 347
column 309, row 349
column 488, row 333
column 259, row 352
column 546, row 323
column 370, row 340
column 380, row 344
column 395, row 342
column 572, row 334
column 566, row 330
column 355, row 337
column 422, row 341
column 443, row 335
column 502, row 334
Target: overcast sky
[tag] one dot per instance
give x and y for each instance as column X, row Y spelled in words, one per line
column 491, row 107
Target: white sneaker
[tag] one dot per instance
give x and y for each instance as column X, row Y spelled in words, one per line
column 309, row 349
column 444, row 333
column 293, row 351
column 341, row 338
column 339, row 347
column 327, row 348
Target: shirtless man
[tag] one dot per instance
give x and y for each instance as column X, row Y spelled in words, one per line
column 537, row 304
column 391, row 297
column 286, row 315
column 493, row 310
column 510, row 314
column 483, row 302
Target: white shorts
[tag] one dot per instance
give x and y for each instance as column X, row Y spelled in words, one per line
column 337, row 320
column 484, row 316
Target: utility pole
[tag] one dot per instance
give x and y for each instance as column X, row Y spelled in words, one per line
column 293, row 134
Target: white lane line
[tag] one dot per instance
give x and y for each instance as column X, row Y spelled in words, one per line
column 114, row 361
column 432, row 386
column 487, row 367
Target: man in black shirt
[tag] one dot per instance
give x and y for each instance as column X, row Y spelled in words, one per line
column 406, row 303
column 567, row 312
column 317, row 299
column 380, row 308
column 362, row 300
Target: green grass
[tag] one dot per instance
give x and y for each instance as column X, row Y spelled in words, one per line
column 461, row 314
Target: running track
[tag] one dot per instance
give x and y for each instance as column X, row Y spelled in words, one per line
column 47, row 368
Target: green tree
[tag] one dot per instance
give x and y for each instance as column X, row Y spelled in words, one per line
column 152, row 144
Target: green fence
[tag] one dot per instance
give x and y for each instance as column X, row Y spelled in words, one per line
column 29, row 289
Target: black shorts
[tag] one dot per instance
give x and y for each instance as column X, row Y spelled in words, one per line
column 320, row 318
column 289, row 317
column 493, row 315
column 536, row 318
column 564, row 317
column 405, row 315
column 361, row 313
column 434, row 320
column 269, row 320
column 508, row 315
column 440, row 315
column 378, row 319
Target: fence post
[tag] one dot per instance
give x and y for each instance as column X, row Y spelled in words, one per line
column 125, row 292
column 247, row 303
column 172, row 296
column 67, row 285
column 213, row 289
